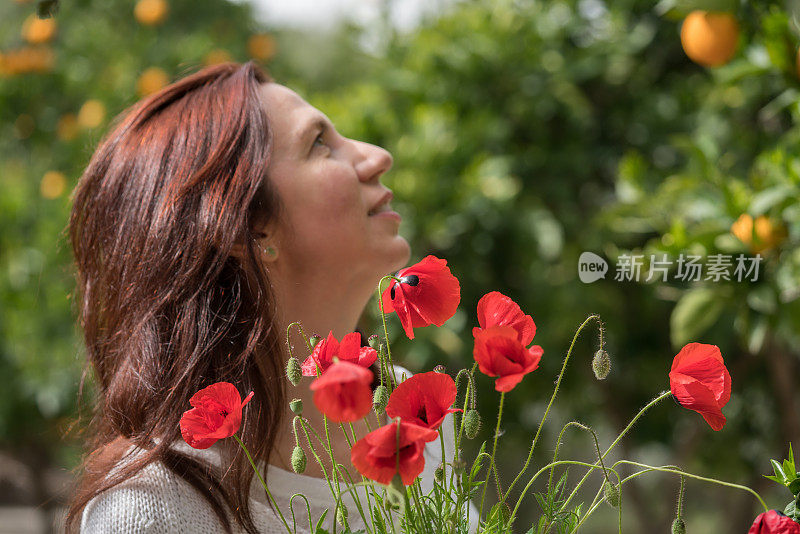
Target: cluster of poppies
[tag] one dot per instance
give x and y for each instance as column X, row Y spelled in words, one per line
column 428, row 294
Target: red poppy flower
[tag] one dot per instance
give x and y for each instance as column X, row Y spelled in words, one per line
column 496, row 309
column 500, row 353
column 349, row 350
column 424, row 399
column 217, row 414
column 343, row 392
column 426, row 294
column 699, row 381
column 774, row 522
column 383, row 453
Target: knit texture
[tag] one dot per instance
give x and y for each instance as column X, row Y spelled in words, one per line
column 158, row 501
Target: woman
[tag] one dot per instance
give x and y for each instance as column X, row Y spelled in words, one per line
column 214, row 214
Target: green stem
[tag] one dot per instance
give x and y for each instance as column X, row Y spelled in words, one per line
column 264, row 484
column 558, row 444
column 392, row 383
column 652, row 403
column 680, row 497
column 539, row 472
column 648, row 468
column 552, row 399
column 494, row 450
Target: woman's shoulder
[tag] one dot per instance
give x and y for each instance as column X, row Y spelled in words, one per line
column 156, row 500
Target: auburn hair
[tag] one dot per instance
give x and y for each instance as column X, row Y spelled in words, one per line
column 165, row 307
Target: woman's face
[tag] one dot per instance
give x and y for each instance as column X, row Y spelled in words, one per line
column 337, row 218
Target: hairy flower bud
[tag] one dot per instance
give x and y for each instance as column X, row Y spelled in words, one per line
column 374, row 341
column 439, row 368
column 601, row 364
column 296, row 406
column 678, row 527
column 611, row 493
column 341, row 514
column 380, row 398
column 293, row 371
column 298, row 460
column 439, row 473
column 472, row 423
column 315, row 338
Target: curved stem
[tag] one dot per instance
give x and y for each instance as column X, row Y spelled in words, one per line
column 264, row 484
column 652, row 403
column 558, row 444
column 665, row 469
column 392, row 383
column 308, row 511
column 552, row 399
column 539, row 472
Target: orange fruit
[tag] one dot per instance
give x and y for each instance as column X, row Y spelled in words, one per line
column 38, row 31
column 67, row 128
column 261, row 46
column 151, row 12
column 91, row 114
column 151, row 81
column 217, row 56
column 26, row 59
column 53, row 184
column 709, row 38
column 759, row 234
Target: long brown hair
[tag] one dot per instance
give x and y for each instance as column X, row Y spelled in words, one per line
column 166, row 309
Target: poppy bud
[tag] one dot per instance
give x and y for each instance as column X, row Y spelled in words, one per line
column 293, row 371
column 611, row 493
column 315, row 338
column 601, row 364
column 678, row 527
column 374, row 341
column 296, row 406
column 439, row 368
column 472, row 423
column 341, row 514
column 439, row 473
column 380, row 398
column 298, row 460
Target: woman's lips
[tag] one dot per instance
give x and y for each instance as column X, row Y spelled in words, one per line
column 387, row 214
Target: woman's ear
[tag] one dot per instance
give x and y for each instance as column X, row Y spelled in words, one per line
column 265, row 245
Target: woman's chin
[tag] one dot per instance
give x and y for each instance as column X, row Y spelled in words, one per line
column 401, row 254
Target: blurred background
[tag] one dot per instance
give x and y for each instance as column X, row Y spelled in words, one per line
column 524, row 133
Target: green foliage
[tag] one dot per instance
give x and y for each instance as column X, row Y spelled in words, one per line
column 553, row 514
column 786, row 474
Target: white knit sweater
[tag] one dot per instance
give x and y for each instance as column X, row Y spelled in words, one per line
column 158, row 501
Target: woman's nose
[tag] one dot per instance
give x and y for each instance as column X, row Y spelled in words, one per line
column 373, row 162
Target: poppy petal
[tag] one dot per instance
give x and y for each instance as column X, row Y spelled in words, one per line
column 495, row 309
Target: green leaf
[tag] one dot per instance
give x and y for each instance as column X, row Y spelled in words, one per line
column 792, row 511
column 318, row 528
column 778, row 471
column 696, row 311
column 766, row 199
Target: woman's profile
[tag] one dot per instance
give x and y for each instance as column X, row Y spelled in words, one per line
column 212, row 215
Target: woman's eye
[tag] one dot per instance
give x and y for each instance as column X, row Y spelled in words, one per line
column 319, row 138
